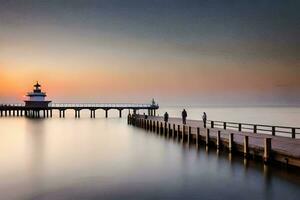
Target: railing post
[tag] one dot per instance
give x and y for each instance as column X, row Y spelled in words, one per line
column 224, row 125
column 212, row 124
column 169, row 128
column 240, row 127
column 293, row 133
column 273, row 130
column 255, row 129
column 161, row 128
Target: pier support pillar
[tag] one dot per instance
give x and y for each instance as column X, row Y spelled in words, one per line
column 120, row 113
column 106, row 113
column 178, row 132
column 267, row 149
column 51, row 113
column 198, row 136
column 218, row 139
column 183, row 132
column 207, row 137
column 190, row 134
column 246, row 146
column 230, row 142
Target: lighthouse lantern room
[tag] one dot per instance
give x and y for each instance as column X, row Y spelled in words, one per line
column 37, row 98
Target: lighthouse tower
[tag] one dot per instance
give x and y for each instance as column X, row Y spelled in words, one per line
column 36, row 98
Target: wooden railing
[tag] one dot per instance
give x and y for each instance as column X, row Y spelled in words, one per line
column 256, row 128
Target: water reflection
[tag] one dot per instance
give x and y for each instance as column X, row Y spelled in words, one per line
column 107, row 159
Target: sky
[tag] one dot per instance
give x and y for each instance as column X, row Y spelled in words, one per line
column 189, row 52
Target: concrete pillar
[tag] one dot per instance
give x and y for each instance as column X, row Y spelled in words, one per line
column 120, row 113
column 154, row 112
column 60, row 113
column 51, row 113
column 78, row 115
column 246, row 145
column 207, row 137
column 106, row 113
column 63, row 113
column 91, row 115
column 218, row 139
column 44, row 113
column 267, row 149
column 14, row 113
column 230, row 142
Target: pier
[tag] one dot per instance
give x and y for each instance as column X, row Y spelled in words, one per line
column 37, row 106
column 16, row 110
column 271, row 144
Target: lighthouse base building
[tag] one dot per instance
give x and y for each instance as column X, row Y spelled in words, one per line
column 37, row 98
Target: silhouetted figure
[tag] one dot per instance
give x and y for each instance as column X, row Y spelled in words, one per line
column 166, row 117
column 184, row 115
column 204, row 118
column 145, row 116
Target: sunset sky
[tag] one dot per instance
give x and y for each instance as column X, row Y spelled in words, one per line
column 179, row 52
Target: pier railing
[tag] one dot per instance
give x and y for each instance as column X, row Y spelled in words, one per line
column 89, row 105
column 256, row 128
column 102, row 105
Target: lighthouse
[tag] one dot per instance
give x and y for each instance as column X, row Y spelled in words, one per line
column 37, row 98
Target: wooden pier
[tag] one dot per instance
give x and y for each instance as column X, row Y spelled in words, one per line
column 16, row 110
column 271, row 144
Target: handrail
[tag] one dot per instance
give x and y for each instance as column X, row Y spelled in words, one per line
column 89, row 105
column 293, row 131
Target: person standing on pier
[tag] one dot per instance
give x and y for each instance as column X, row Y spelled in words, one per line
column 166, row 117
column 204, row 118
column 184, row 115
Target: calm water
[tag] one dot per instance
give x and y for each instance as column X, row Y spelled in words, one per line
column 107, row 159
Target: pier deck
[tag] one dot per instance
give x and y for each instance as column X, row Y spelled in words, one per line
column 281, row 149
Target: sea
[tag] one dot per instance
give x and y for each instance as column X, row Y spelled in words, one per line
column 83, row 158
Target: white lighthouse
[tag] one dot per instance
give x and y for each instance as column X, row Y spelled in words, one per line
column 37, row 98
